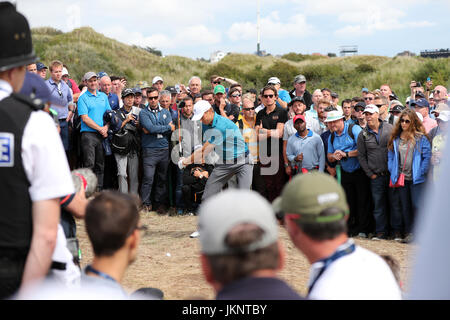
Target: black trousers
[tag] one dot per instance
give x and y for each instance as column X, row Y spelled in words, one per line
column 93, row 154
column 357, row 190
column 11, row 272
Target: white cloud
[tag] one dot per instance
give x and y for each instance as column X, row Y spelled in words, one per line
column 272, row 27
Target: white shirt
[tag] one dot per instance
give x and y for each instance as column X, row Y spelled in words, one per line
column 361, row 275
column 43, row 155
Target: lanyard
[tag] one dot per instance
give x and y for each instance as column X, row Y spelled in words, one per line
column 348, row 248
column 99, row 273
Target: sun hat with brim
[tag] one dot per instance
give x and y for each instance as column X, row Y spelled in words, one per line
column 334, row 115
column 200, row 107
column 444, row 116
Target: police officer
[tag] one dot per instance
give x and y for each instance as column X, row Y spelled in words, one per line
column 34, row 172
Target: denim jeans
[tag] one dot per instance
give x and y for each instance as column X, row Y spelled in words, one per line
column 155, row 164
column 410, row 197
column 379, row 187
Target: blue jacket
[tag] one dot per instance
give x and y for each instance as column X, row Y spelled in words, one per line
column 158, row 126
column 420, row 163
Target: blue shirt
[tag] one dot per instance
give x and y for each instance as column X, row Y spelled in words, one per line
column 113, row 101
column 94, row 106
column 284, row 95
column 312, row 148
column 227, row 137
column 345, row 143
column 63, row 95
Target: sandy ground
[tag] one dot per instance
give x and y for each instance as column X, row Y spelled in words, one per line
column 169, row 260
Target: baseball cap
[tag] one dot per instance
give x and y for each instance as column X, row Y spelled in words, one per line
column 420, row 94
column 300, row 99
column 334, row 115
column 360, row 105
column 371, row 108
column 397, row 108
column 127, row 92
column 89, row 75
column 444, row 116
column 299, row 78
column 65, row 72
column 35, row 88
column 137, row 90
column 228, row 209
column 273, row 80
column 200, row 107
column 334, row 95
column 299, row 116
column 172, row 89
column 309, row 195
column 102, row 74
column 421, row 103
column 40, row 66
column 365, row 90
column 219, row 89
column 156, row 79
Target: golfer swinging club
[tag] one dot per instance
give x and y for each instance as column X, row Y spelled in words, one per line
column 222, row 134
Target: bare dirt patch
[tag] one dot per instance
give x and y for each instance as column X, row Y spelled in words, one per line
column 169, row 260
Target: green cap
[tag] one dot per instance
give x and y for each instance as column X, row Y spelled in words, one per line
column 310, row 194
column 219, row 89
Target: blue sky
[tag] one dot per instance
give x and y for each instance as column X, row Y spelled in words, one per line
column 197, row 28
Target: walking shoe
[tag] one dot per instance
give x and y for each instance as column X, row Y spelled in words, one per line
column 194, row 234
column 398, row 237
column 146, row 208
column 408, row 238
column 362, row 235
column 379, row 236
column 162, row 210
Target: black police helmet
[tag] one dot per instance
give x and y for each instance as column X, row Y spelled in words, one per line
column 15, row 37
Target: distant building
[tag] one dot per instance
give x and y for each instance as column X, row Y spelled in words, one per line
column 348, row 50
column 442, row 53
column 217, row 56
column 406, row 53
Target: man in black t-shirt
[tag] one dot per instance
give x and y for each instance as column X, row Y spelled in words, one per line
column 269, row 127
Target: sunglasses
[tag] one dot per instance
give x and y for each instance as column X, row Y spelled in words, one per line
column 248, row 109
column 216, row 82
column 368, row 98
column 153, row 98
column 436, row 91
column 236, row 95
column 405, row 121
column 379, row 105
column 268, row 96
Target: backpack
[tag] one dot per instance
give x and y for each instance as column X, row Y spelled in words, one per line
column 349, row 131
column 122, row 142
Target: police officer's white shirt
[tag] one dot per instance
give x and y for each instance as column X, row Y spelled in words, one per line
column 361, row 275
column 43, row 155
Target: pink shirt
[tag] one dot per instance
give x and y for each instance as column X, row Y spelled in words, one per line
column 429, row 123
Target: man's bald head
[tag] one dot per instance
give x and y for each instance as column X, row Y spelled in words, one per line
column 105, row 85
column 439, row 93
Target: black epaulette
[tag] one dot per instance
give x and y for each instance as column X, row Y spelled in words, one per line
column 34, row 104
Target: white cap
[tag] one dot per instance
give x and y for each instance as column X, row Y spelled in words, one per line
column 371, row 108
column 200, row 107
column 156, row 79
column 274, row 80
column 65, row 72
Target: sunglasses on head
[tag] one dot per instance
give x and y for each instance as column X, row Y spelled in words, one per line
column 405, row 121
